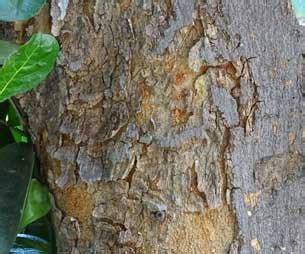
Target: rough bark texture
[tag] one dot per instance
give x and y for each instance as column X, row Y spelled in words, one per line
column 174, row 126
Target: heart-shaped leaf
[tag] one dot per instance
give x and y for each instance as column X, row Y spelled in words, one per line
column 12, row 10
column 6, row 48
column 28, row 66
column 16, row 165
column 37, row 203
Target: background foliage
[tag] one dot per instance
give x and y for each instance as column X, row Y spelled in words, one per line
column 24, row 222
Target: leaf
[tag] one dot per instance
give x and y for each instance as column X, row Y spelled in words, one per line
column 18, row 134
column 12, row 10
column 16, row 164
column 31, row 241
column 6, row 48
column 37, row 204
column 28, row 66
column 43, row 228
column 13, row 118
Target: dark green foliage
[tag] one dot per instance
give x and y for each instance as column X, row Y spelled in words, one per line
column 6, row 136
column 37, row 204
column 43, row 229
column 17, row 161
column 23, row 206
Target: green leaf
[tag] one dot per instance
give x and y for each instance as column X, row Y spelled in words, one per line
column 16, row 162
column 37, row 204
column 6, row 48
column 12, row 10
column 28, row 66
column 19, row 135
column 13, row 118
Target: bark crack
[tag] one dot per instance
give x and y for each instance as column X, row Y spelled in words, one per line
column 194, row 187
column 129, row 177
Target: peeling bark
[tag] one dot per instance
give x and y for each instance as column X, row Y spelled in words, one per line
column 174, row 127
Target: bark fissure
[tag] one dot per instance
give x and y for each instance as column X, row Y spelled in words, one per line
column 194, row 187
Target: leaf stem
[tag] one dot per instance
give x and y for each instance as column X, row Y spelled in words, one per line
column 15, row 129
column 26, row 131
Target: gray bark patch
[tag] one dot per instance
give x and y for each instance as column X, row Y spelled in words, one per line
column 226, row 104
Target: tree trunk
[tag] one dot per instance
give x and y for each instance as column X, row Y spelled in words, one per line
column 174, row 126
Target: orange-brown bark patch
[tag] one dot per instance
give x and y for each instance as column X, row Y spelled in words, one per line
column 210, row 233
column 77, row 203
column 147, row 108
column 179, row 116
column 180, row 77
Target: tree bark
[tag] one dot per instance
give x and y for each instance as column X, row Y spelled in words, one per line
column 174, row 126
